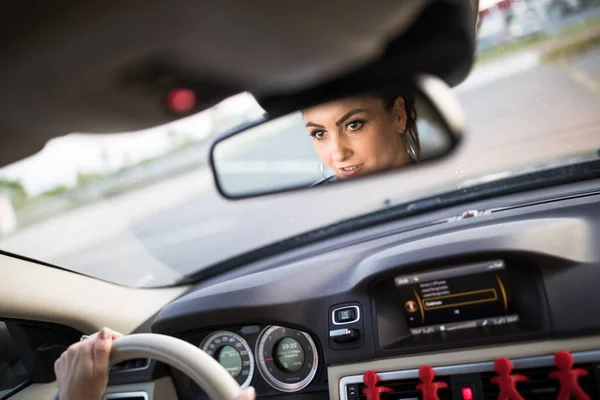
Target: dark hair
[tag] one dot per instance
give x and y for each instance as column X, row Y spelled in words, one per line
column 411, row 117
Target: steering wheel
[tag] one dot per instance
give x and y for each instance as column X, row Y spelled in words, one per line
column 204, row 370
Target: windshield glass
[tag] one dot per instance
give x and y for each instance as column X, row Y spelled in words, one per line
column 142, row 209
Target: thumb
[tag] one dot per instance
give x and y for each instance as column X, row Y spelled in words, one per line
column 247, row 394
column 101, row 349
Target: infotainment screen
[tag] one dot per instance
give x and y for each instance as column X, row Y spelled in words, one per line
column 468, row 296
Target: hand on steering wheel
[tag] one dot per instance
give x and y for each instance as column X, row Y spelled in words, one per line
column 82, row 370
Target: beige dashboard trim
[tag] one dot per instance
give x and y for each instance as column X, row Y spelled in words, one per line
column 160, row 389
column 337, row 372
column 41, row 391
column 36, row 292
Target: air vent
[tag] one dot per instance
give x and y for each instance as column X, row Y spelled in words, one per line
column 131, row 365
column 126, row 396
column 407, row 389
column 539, row 386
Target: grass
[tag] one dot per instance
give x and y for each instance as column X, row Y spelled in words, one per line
column 581, row 26
column 539, row 39
column 572, row 49
column 501, row 51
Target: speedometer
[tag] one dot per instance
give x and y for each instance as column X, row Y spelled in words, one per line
column 287, row 358
column 233, row 353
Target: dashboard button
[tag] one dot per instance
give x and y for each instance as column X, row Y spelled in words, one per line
column 467, row 393
column 346, row 315
column 344, row 335
column 352, row 392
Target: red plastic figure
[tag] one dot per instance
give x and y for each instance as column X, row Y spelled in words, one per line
column 506, row 381
column 428, row 387
column 568, row 377
column 372, row 391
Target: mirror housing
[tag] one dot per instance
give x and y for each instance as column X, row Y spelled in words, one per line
column 247, row 162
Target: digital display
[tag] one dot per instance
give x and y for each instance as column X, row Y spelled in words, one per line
column 470, row 296
column 289, row 354
column 231, row 360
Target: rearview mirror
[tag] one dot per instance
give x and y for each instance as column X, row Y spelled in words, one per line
column 343, row 138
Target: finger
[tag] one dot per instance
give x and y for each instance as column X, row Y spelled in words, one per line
column 58, row 367
column 101, row 351
column 113, row 334
column 247, row 394
column 60, row 361
column 109, row 333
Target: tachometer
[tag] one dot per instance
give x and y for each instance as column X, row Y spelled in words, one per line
column 233, row 353
column 287, row 358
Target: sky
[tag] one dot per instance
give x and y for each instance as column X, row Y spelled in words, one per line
column 59, row 162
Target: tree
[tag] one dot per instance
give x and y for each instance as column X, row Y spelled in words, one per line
column 56, row 191
column 84, row 178
column 13, row 187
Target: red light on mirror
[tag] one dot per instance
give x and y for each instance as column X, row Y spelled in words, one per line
column 181, row 100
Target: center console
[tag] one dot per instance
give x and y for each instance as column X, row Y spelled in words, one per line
column 476, row 380
column 474, row 300
column 458, row 316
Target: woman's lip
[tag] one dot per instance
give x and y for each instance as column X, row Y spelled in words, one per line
column 351, row 172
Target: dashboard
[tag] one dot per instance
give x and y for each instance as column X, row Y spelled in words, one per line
column 519, row 271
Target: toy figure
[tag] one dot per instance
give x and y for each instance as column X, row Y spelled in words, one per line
column 372, row 391
column 568, row 377
column 506, row 381
column 428, row 387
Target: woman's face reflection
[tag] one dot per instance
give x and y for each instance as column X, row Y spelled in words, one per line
column 358, row 136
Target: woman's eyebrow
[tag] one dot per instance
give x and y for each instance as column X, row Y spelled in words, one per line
column 349, row 114
column 315, row 125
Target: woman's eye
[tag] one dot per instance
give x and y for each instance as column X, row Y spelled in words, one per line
column 319, row 135
column 354, row 125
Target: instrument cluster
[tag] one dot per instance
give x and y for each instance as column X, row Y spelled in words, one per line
column 287, row 359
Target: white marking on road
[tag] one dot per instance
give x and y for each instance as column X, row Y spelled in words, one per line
column 579, row 76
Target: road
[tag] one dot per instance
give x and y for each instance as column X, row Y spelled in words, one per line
column 528, row 115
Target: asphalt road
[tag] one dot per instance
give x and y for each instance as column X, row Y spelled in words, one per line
column 531, row 114
column 546, row 101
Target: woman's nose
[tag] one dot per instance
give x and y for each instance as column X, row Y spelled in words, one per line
column 340, row 151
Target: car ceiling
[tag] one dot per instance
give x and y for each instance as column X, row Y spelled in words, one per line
column 106, row 67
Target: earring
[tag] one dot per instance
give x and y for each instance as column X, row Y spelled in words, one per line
column 409, row 143
column 322, row 168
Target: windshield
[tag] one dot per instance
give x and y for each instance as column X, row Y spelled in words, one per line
column 141, row 209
